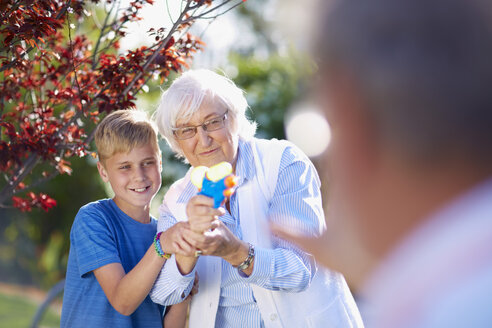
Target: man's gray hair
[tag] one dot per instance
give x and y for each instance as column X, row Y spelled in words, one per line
column 423, row 69
column 186, row 94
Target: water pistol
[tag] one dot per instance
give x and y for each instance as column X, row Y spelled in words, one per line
column 216, row 182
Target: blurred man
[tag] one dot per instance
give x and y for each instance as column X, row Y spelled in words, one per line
column 407, row 89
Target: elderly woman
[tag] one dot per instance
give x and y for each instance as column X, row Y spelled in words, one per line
column 248, row 277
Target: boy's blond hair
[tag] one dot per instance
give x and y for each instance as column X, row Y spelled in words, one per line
column 123, row 130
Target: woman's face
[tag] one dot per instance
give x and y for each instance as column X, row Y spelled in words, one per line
column 208, row 148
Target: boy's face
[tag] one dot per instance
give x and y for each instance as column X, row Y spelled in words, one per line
column 135, row 178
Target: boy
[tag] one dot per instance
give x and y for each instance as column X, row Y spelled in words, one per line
column 114, row 257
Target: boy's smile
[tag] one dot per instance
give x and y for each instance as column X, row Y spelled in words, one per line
column 135, row 178
column 141, row 189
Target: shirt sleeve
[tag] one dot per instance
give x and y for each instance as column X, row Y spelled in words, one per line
column 93, row 241
column 170, row 287
column 296, row 203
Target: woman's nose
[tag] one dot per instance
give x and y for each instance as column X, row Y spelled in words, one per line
column 203, row 136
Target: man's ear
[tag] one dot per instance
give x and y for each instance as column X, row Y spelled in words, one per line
column 102, row 171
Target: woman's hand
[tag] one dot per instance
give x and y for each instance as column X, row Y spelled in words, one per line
column 201, row 213
column 177, row 240
column 221, row 242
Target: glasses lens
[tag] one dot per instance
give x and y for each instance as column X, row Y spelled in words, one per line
column 215, row 124
column 190, row 131
column 185, row 133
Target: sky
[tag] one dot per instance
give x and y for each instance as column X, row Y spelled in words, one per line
column 219, row 35
column 290, row 23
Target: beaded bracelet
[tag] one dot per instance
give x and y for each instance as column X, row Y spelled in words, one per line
column 158, row 248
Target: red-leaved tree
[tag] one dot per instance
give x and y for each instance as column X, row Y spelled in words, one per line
column 56, row 83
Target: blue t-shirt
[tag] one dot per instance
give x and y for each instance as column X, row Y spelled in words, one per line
column 103, row 234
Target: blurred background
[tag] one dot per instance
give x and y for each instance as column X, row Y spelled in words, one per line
column 261, row 45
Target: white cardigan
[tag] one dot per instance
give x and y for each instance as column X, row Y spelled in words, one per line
column 327, row 302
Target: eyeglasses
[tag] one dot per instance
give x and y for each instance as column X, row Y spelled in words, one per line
column 213, row 124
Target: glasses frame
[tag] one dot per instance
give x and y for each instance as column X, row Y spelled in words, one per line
column 222, row 117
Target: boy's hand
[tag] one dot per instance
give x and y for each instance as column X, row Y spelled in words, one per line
column 201, row 213
column 176, row 240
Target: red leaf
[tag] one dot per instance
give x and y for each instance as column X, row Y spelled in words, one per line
column 46, row 202
column 21, row 204
column 21, row 186
column 64, row 167
column 10, row 129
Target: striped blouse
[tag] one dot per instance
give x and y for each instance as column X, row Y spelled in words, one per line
column 296, row 203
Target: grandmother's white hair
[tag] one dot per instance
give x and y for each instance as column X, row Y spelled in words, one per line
column 185, row 96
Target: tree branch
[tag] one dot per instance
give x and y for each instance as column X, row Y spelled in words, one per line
column 37, row 182
column 98, row 42
column 17, row 178
column 14, row 7
column 71, row 55
column 58, row 16
column 202, row 15
column 169, row 12
column 156, row 52
column 86, row 86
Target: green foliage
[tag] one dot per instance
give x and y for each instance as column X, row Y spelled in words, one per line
column 17, row 249
column 18, row 312
column 35, row 244
column 272, row 85
column 51, row 230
